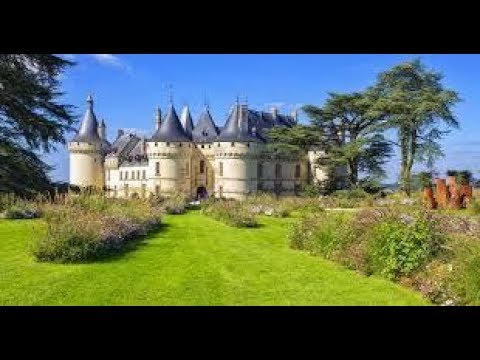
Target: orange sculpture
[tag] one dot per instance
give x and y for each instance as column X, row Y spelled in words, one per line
column 448, row 194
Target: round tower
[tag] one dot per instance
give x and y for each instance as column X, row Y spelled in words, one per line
column 236, row 150
column 169, row 153
column 87, row 152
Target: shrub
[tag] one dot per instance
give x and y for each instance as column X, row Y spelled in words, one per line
column 85, row 228
column 402, row 244
column 175, row 204
column 325, row 235
column 232, row 213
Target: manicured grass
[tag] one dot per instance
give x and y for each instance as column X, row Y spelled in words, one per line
column 192, row 260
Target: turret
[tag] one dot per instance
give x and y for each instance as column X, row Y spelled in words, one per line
column 87, row 151
column 169, row 152
column 235, row 155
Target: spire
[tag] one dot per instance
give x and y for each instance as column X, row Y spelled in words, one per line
column 158, row 118
column 186, row 120
column 89, row 127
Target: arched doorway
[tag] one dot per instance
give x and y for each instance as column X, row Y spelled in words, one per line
column 201, row 193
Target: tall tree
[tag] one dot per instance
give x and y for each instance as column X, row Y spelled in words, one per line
column 415, row 103
column 348, row 131
column 31, row 118
column 353, row 135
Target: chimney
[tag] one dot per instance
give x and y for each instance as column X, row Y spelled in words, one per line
column 158, row 118
column 101, row 130
column 120, row 133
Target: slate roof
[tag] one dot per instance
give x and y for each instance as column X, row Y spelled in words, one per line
column 88, row 131
column 186, row 121
column 171, row 129
column 249, row 125
column 205, row 130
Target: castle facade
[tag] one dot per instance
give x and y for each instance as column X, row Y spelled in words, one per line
column 198, row 160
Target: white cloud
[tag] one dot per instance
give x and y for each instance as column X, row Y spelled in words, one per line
column 112, row 60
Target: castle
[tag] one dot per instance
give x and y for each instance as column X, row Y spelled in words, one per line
column 197, row 160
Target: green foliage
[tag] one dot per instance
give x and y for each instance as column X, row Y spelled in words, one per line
column 466, row 275
column 398, row 247
column 413, row 101
column 294, row 140
column 425, row 179
column 312, row 190
column 322, row 235
column 233, row 213
column 31, row 118
column 351, row 132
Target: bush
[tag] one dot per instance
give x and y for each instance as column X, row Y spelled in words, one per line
column 400, row 245
column 325, row 235
column 232, row 213
column 84, row 228
column 175, row 204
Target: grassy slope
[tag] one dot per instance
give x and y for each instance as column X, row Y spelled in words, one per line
column 193, row 261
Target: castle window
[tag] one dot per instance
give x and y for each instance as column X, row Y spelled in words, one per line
column 168, row 144
column 156, row 144
column 157, row 168
column 259, row 170
column 278, row 171
column 126, row 175
column 180, row 145
column 121, row 175
column 157, row 190
column 248, row 144
column 144, row 174
column 202, row 167
column 221, row 169
column 232, row 144
column 218, row 144
column 297, row 171
column 115, row 191
column 133, row 175
column 203, row 146
column 138, row 174
column 209, row 146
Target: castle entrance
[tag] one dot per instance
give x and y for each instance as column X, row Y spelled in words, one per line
column 201, row 193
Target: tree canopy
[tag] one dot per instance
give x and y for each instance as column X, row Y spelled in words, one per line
column 31, row 118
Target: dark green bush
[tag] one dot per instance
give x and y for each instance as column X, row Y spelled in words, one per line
column 400, row 245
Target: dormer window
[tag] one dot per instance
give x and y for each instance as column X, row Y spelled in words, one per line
column 156, row 144
column 232, row 144
column 168, row 144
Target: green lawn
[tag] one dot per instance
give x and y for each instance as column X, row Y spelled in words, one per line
column 193, row 260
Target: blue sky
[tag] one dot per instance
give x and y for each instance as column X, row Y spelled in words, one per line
column 128, row 87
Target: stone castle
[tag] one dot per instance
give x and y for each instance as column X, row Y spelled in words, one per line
column 198, row 160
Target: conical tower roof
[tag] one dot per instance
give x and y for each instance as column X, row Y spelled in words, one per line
column 205, row 130
column 89, row 127
column 171, row 129
column 237, row 127
column 186, row 121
